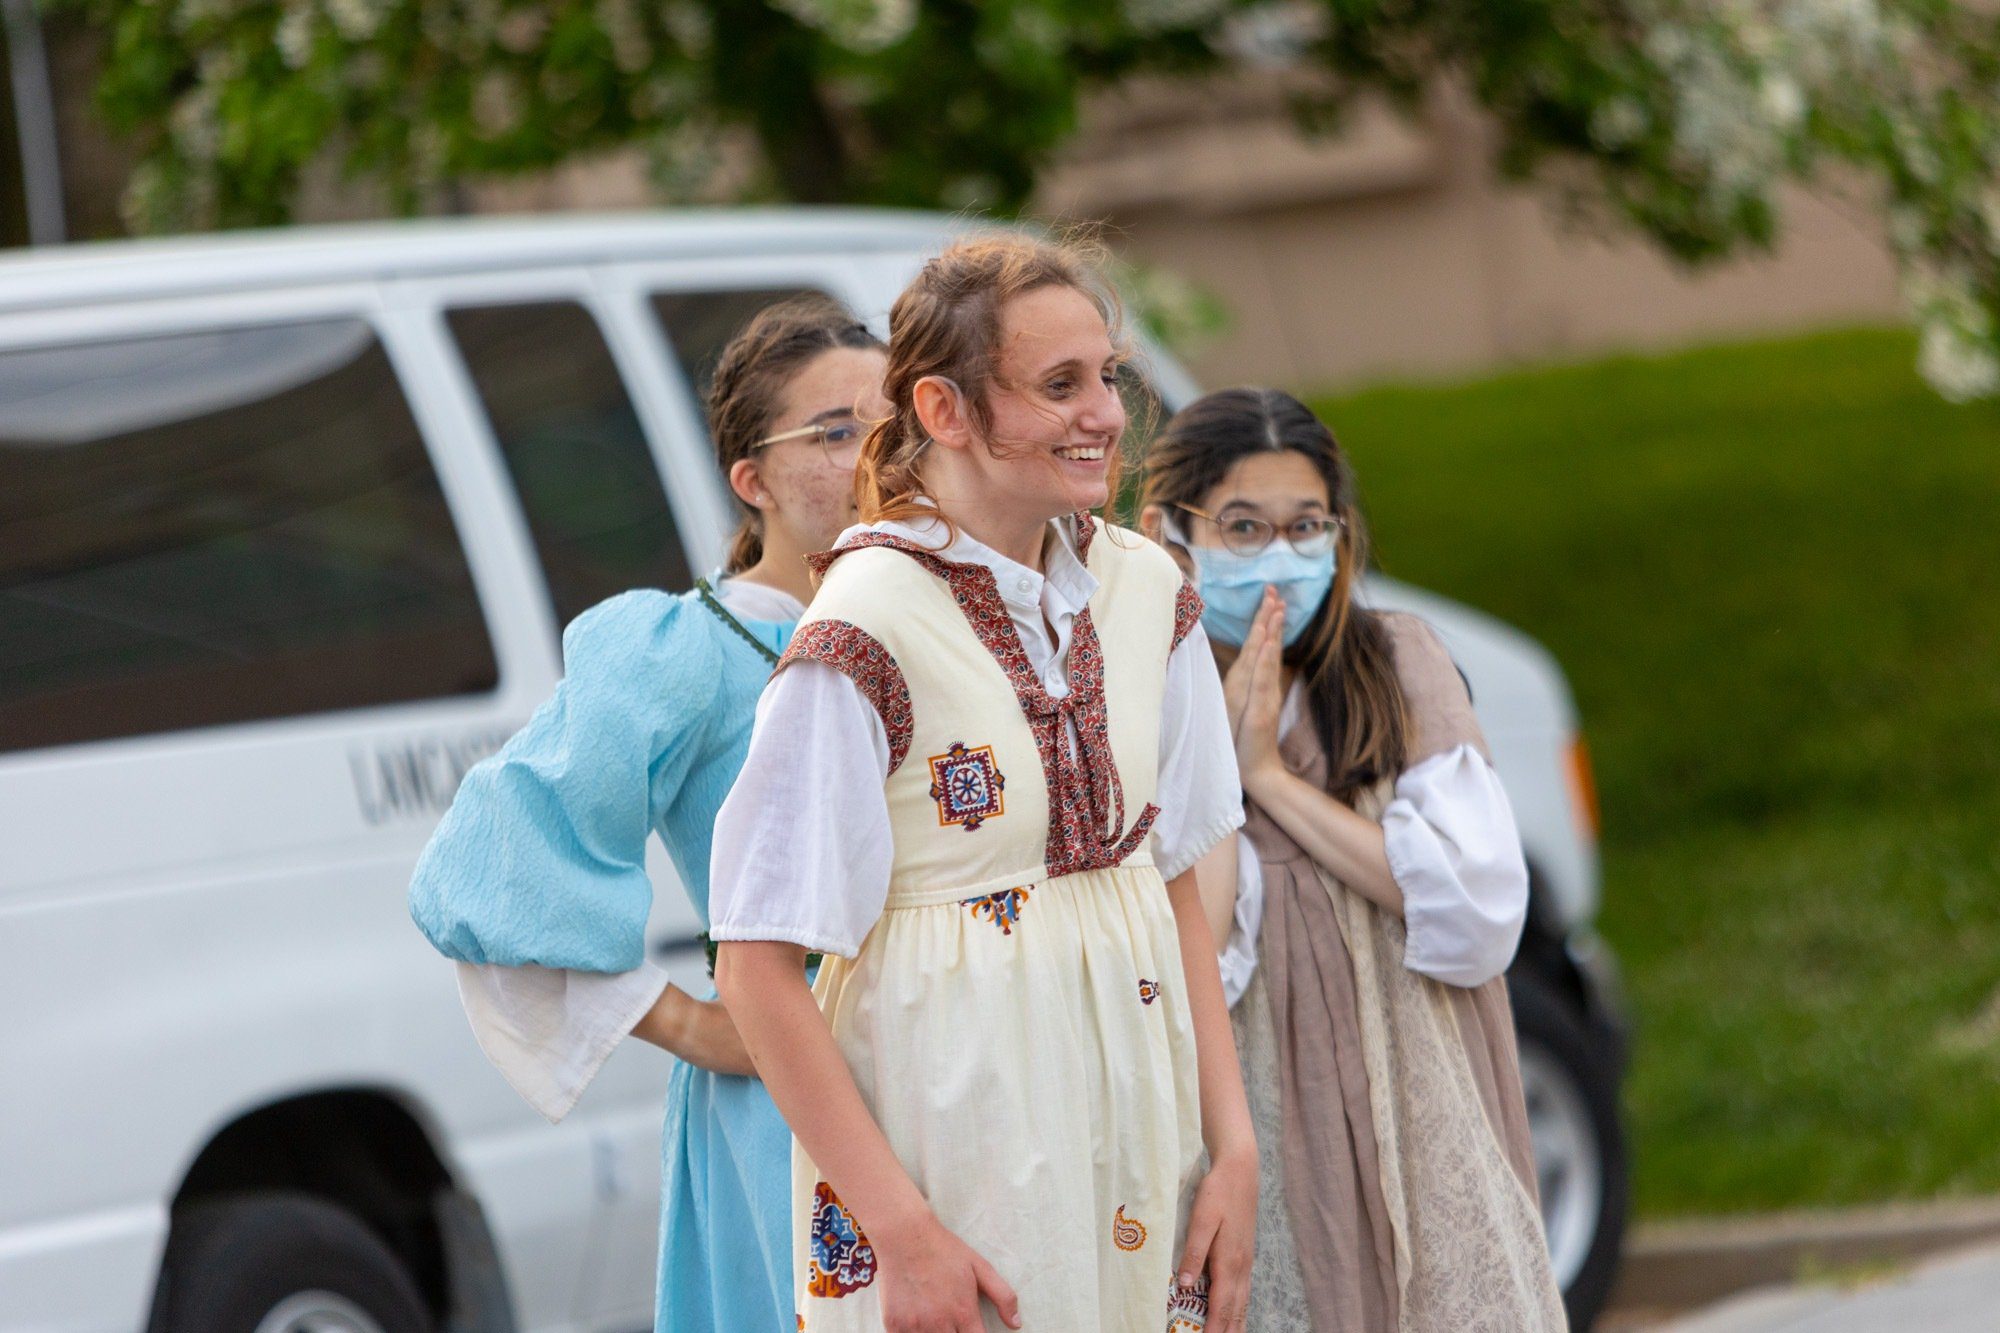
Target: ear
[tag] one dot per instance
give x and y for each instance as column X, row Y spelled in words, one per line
column 941, row 411
column 1152, row 523
column 748, row 484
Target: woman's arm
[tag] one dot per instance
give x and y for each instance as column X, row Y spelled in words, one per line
column 801, row 860
column 1215, row 877
column 1222, row 1224
column 1347, row 845
column 697, row 1031
column 931, row 1279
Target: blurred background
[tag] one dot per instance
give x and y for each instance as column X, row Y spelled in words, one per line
column 1661, row 332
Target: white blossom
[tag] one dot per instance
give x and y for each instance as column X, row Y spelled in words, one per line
column 631, row 49
column 192, row 122
column 496, row 104
column 1173, row 15
column 689, row 25
column 294, row 36
column 1957, row 362
column 858, row 25
column 1618, row 122
column 356, row 20
column 1783, row 102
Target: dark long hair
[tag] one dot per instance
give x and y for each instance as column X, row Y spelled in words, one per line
column 1345, row 656
column 751, row 374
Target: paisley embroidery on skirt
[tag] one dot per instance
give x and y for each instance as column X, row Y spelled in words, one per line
column 1187, row 1307
column 841, row 1259
column 1149, row 991
column 1127, row 1233
column 966, row 784
column 1002, row 908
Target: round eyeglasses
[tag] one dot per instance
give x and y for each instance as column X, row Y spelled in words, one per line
column 840, row 440
column 1246, row 534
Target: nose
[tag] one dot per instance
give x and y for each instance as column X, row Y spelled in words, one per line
column 1103, row 412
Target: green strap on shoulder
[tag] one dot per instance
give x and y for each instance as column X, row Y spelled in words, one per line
column 713, row 603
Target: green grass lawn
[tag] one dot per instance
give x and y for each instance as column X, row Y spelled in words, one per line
column 1772, row 571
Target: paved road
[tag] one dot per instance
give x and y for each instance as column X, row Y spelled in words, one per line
column 1955, row 1293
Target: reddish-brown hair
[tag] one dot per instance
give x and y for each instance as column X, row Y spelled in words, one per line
column 947, row 323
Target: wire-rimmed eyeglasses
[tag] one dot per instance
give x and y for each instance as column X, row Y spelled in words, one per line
column 1246, row 534
column 839, row 439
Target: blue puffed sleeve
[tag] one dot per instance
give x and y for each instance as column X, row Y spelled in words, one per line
column 542, row 857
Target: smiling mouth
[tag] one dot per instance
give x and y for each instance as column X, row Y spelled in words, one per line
column 1082, row 454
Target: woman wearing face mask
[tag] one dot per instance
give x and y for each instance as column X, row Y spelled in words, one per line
column 1378, row 898
column 979, row 784
column 535, row 882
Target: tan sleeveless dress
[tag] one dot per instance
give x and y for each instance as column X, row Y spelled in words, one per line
column 1398, row 1183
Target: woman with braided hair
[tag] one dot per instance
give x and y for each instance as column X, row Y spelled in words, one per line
column 535, row 881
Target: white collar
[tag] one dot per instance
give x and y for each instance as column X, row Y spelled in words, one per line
column 1069, row 582
column 755, row 601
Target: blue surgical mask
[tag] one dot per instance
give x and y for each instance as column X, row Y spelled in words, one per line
column 1232, row 586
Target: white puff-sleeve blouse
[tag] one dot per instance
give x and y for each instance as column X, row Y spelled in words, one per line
column 819, row 876
column 1453, row 850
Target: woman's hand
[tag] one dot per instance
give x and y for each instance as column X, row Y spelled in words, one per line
column 698, row 1031
column 1253, row 691
column 933, row 1282
column 1221, row 1238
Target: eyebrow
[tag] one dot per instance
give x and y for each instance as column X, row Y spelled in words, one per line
column 1077, row 362
column 831, row 414
column 1258, row 509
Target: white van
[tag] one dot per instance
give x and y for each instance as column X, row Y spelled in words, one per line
column 289, row 526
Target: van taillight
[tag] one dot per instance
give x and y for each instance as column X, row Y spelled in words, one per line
column 1583, row 788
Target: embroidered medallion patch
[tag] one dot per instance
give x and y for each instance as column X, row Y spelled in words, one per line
column 1003, row 909
column 1149, row 991
column 841, row 1260
column 966, row 784
column 1187, row 1307
column 1126, row 1233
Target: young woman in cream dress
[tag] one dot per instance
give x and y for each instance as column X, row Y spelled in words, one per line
column 978, row 785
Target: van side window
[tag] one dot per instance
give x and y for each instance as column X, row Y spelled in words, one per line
column 699, row 324
column 588, row 483
column 221, row 526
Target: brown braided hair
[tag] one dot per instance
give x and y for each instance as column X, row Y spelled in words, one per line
column 751, row 374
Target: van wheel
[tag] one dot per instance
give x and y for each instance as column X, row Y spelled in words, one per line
column 282, row 1263
column 1572, row 1093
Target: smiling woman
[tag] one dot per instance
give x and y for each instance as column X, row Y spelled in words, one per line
column 1004, row 896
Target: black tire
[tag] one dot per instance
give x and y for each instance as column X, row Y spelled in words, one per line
column 1556, row 1045
column 233, row 1261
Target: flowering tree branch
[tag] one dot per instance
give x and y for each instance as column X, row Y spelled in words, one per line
column 1680, row 119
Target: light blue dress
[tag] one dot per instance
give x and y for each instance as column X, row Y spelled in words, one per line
column 541, row 859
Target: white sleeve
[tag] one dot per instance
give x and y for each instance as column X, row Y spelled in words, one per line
column 1200, row 795
column 548, row 1031
column 1238, row 959
column 1456, row 855
column 802, row 844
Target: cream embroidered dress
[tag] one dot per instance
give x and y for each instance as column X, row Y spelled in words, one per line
column 1014, row 1018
